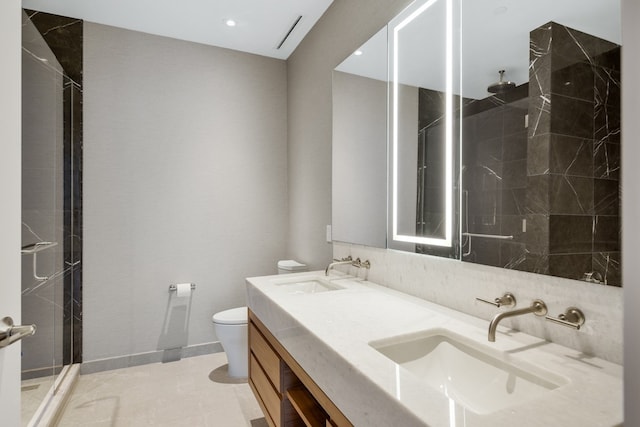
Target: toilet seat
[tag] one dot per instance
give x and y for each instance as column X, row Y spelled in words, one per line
column 233, row 316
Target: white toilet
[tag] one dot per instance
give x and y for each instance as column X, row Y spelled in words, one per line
column 231, row 329
column 287, row 266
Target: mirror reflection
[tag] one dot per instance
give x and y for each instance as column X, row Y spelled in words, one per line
column 529, row 101
column 422, row 138
column 541, row 140
column 359, row 151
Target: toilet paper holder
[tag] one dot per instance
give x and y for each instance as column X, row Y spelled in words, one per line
column 174, row 287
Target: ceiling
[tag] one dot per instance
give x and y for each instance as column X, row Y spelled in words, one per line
column 495, row 36
column 260, row 25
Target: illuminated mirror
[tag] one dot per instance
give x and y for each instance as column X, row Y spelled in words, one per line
column 423, row 128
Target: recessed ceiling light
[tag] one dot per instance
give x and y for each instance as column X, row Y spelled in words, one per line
column 357, row 52
column 230, row 22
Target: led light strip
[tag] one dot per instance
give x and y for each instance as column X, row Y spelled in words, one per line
column 448, row 170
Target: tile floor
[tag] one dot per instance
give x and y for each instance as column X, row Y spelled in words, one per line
column 191, row 392
column 32, row 393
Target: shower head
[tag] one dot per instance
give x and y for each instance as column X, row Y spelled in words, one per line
column 501, row 86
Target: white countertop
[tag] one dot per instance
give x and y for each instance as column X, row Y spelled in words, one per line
column 328, row 333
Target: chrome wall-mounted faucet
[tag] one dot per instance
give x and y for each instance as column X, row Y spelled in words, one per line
column 343, row 261
column 537, row 307
column 347, row 260
column 594, row 277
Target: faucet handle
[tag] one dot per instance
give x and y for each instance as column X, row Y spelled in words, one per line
column 361, row 264
column 573, row 317
column 507, row 300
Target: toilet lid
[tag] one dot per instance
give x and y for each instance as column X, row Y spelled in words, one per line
column 291, row 265
column 233, row 316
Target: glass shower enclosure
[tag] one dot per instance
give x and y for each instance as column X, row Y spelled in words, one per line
column 51, row 221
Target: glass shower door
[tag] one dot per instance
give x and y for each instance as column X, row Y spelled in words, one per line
column 50, row 247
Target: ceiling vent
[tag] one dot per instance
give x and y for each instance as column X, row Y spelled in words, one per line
column 289, row 32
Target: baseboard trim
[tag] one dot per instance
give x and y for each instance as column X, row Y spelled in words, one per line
column 159, row 356
column 41, row 372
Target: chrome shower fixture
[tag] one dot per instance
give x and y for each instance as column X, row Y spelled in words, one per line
column 501, row 86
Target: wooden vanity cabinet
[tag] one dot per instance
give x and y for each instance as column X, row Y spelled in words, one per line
column 270, row 378
column 287, row 395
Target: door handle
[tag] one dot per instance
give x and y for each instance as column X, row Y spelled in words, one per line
column 10, row 333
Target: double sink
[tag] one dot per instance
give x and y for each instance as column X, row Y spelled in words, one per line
column 387, row 358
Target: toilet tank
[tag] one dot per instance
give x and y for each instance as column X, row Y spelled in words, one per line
column 290, row 266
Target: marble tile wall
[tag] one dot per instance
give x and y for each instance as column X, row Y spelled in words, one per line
column 573, row 157
column 494, row 179
column 455, row 284
column 73, row 219
column 430, row 203
column 541, row 163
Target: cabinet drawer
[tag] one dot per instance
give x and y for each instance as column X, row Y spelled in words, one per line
column 268, row 358
column 269, row 397
column 278, row 372
column 276, row 378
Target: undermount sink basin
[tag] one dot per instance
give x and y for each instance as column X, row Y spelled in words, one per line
column 458, row 368
column 307, row 285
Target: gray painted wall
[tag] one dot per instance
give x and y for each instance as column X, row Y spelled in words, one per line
column 344, row 26
column 407, row 160
column 185, row 180
column 631, row 206
column 359, row 160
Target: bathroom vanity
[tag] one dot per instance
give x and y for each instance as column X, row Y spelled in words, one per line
column 286, row 394
column 339, row 350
